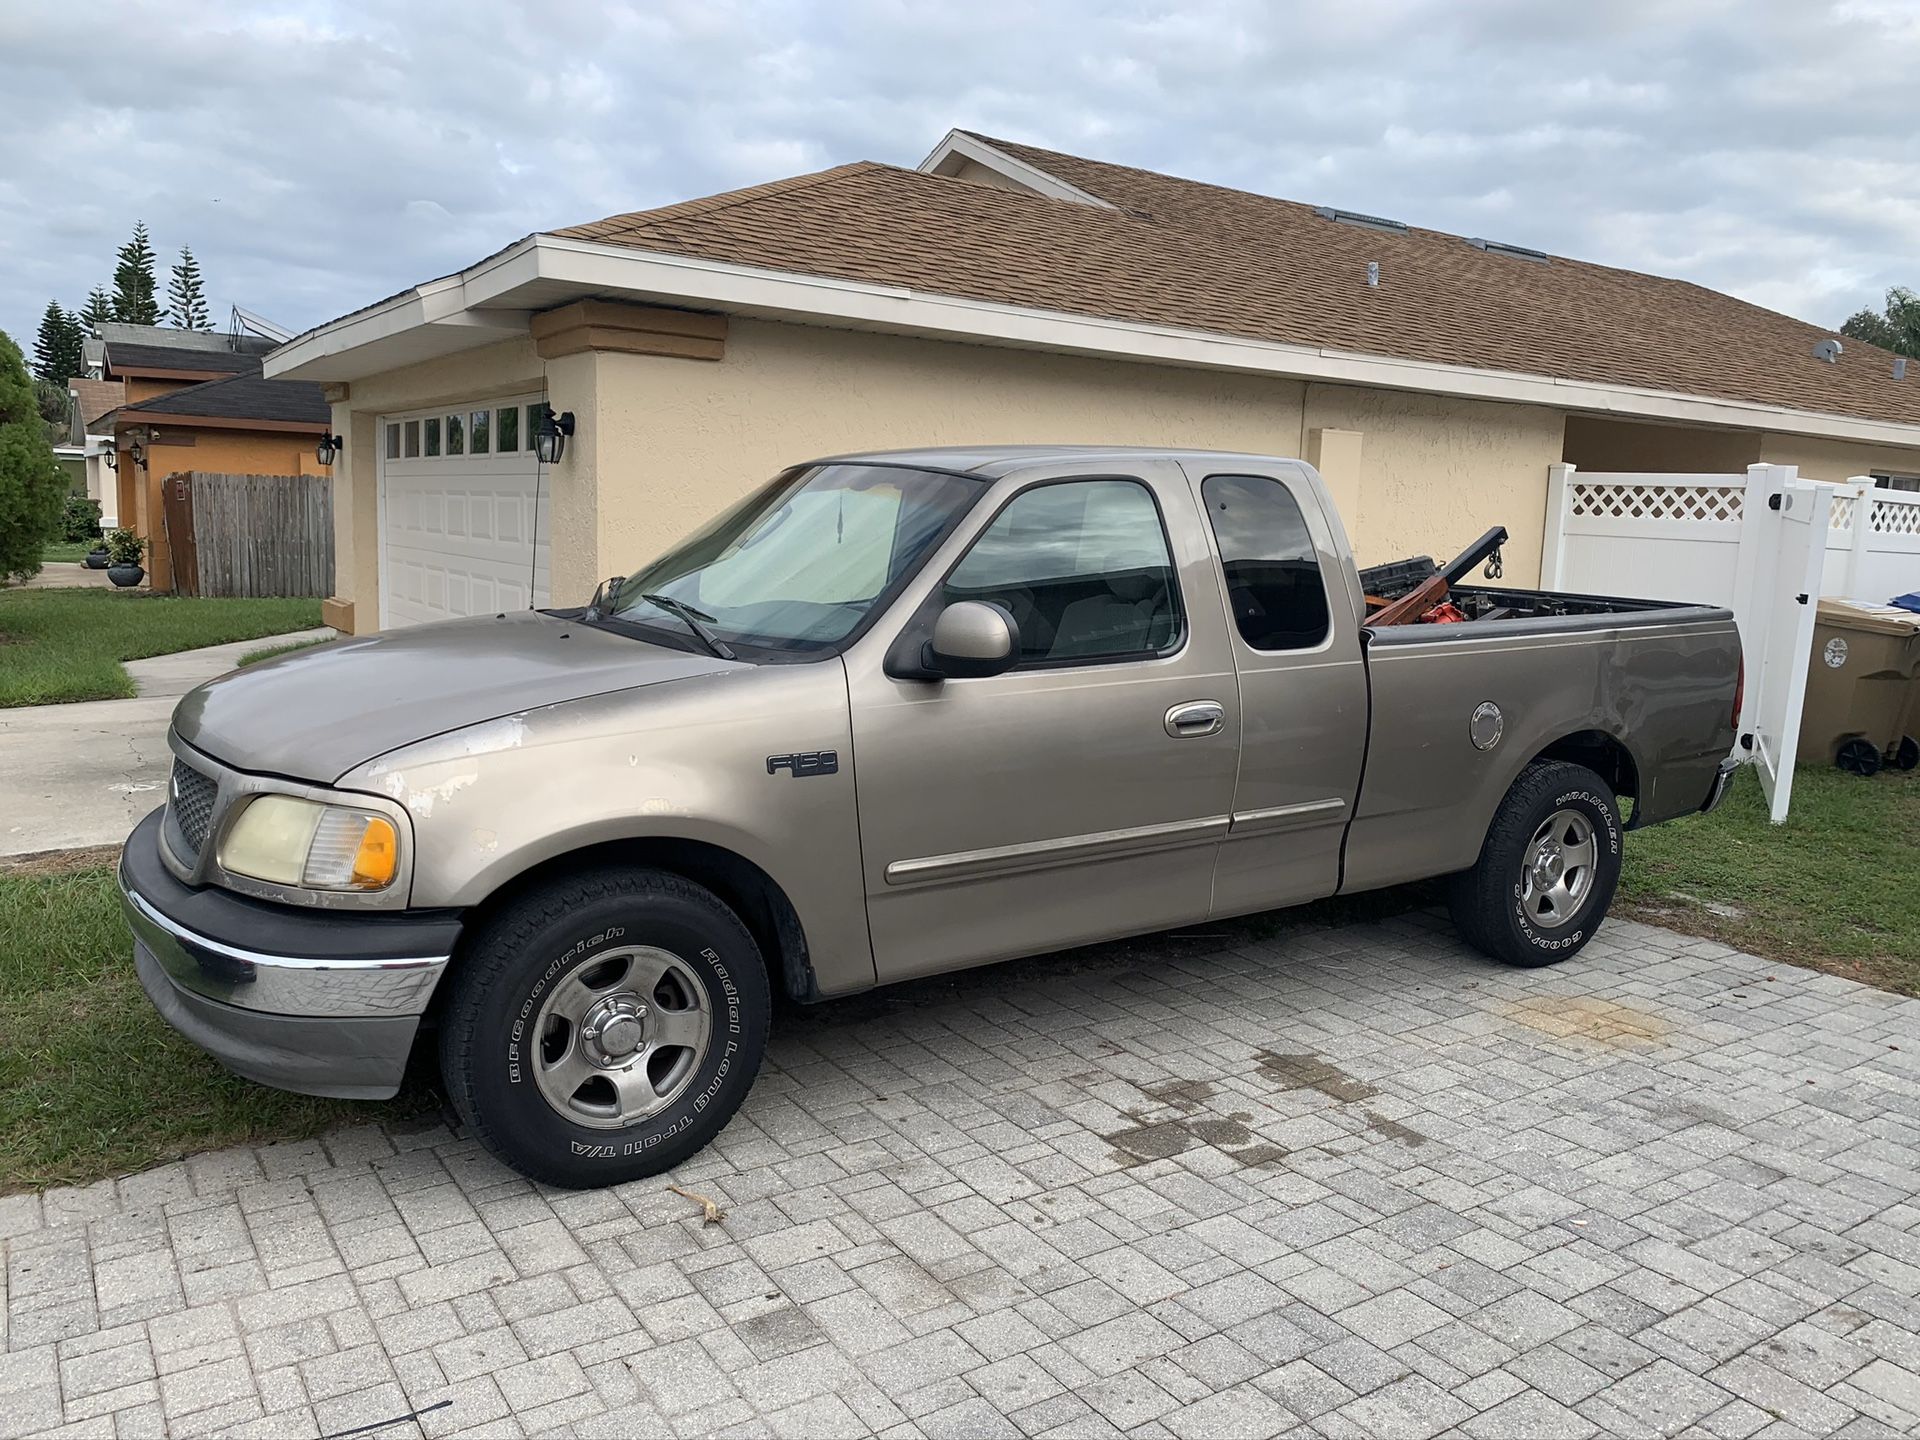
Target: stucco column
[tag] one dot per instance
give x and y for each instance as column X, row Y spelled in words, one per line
column 578, row 342
column 355, row 604
column 1336, row 454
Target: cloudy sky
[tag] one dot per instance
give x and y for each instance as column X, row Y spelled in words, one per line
column 320, row 156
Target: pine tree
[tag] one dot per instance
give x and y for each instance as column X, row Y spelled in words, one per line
column 97, row 310
column 133, row 282
column 58, row 350
column 186, row 301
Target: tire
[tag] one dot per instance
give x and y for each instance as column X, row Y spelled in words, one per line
column 1502, row 906
column 1907, row 755
column 542, row 1015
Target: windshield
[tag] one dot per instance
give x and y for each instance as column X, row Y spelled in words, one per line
column 800, row 564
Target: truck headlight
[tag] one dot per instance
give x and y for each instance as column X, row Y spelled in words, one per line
column 288, row 841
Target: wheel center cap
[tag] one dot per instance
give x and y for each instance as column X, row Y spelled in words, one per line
column 614, row 1029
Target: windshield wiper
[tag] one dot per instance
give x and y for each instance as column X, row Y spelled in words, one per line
column 692, row 617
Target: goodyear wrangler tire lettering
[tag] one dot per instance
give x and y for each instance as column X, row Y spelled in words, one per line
column 548, row 943
column 1547, row 870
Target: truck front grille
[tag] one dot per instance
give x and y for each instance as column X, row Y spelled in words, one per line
column 190, row 807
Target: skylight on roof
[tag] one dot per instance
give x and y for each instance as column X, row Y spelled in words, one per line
column 1356, row 217
column 1519, row 252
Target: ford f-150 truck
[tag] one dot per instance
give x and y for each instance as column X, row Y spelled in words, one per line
column 891, row 715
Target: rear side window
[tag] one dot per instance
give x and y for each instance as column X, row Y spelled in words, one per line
column 1274, row 584
column 1084, row 567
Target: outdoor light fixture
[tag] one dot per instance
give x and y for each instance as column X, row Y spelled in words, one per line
column 329, row 447
column 138, row 452
column 550, row 441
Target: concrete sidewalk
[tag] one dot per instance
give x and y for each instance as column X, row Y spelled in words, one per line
column 85, row 774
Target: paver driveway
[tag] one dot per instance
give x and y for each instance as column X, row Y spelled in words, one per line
column 1353, row 1179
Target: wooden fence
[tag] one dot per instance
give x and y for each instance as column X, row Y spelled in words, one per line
column 250, row 534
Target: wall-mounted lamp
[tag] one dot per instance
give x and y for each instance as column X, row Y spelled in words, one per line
column 112, row 459
column 328, row 449
column 138, row 451
column 550, row 440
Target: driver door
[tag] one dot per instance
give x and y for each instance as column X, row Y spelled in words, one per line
column 1083, row 793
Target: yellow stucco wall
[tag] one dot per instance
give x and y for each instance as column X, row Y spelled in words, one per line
column 1435, row 473
column 678, row 440
column 1836, row 459
column 1594, row 443
column 663, row 444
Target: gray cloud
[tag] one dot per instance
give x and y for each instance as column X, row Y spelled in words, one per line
column 319, row 156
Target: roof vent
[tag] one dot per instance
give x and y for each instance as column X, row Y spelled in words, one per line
column 1519, row 252
column 1899, row 367
column 1355, row 217
column 1827, row 350
column 1373, row 274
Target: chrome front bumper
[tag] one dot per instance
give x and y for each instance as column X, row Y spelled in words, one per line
column 321, row 1002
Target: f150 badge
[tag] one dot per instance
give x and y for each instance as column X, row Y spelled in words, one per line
column 809, row 762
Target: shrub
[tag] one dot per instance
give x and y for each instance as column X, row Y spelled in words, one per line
column 31, row 484
column 124, row 547
column 80, row 520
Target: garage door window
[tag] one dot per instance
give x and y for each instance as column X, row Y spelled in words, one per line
column 410, row 440
column 433, row 437
column 507, row 429
column 393, row 442
column 479, row 432
column 456, row 436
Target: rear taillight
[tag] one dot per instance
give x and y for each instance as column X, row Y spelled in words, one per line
column 1739, row 693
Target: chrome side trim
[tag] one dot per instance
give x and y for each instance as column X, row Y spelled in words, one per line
column 1068, row 850
column 1286, row 817
column 281, row 984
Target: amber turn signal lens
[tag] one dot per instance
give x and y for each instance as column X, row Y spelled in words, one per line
column 378, row 857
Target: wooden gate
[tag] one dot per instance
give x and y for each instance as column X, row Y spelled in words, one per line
column 176, row 519
column 259, row 534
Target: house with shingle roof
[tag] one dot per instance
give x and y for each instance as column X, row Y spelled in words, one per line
column 1004, row 293
column 190, row 401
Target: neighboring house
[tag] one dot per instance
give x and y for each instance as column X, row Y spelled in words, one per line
column 196, row 401
column 1005, row 293
column 90, row 406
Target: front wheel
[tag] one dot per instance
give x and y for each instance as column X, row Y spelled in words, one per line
column 1547, row 868
column 605, row 1027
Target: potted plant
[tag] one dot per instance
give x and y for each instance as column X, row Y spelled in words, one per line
column 124, row 549
column 96, row 558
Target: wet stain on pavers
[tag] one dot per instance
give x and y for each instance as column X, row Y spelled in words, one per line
column 1588, row 1017
column 1393, row 1129
column 1161, row 1140
column 1310, row 1072
column 1185, row 1096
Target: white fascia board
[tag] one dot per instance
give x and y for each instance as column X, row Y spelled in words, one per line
column 1019, row 171
column 603, row 269
column 322, row 354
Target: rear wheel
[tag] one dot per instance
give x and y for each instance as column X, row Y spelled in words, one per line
column 1907, row 755
column 605, row 1027
column 1547, row 869
column 1858, row 756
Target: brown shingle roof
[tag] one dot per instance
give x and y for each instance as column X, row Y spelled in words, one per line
column 1180, row 253
column 244, row 397
column 94, row 398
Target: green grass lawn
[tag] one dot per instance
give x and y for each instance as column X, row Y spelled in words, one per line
column 1834, row 888
column 92, row 1081
column 60, row 645
column 70, row 551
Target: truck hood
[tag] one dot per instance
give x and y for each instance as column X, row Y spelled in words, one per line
column 316, row 714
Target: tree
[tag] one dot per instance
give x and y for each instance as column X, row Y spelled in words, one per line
column 59, row 349
column 97, row 309
column 133, row 282
column 1896, row 329
column 186, row 301
column 31, row 485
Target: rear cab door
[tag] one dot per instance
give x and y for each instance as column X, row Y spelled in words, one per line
column 1286, row 579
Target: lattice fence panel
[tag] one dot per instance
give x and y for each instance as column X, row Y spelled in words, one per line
column 1890, row 517
column 1714, row 504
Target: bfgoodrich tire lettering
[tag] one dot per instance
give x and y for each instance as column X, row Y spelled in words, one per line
column 1516, row 904
column 569, row 934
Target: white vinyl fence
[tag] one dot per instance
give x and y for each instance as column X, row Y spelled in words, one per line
column 1765, row 544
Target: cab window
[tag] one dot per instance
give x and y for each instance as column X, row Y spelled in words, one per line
column 1085, row 568
column 1274, row 585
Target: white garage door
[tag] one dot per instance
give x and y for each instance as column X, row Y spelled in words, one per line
column 460, row 532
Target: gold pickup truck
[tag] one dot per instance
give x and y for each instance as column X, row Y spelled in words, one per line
column 891, row 715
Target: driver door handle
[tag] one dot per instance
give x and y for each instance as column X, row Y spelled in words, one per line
column 1196, row 718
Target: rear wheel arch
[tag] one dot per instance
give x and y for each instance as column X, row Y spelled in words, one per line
column 1606, row 755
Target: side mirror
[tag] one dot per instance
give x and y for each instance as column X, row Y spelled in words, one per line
column 973, row 638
